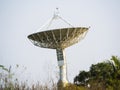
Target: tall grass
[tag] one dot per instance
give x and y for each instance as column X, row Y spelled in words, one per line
column 8, row 81
column 40, row 87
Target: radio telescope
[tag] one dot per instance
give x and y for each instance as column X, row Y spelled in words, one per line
column 59, row 39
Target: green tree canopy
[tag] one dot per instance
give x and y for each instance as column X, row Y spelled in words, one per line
column 104, row 74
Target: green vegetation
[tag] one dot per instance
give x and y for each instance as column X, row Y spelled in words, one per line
column 101, row 76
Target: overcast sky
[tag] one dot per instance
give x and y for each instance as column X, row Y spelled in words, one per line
column 19, row 18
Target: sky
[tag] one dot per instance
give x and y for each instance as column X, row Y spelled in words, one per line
column 19, row 18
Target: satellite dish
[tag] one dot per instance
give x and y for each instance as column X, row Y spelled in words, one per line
column 59, row 39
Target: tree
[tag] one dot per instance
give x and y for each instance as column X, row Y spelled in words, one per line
column 83, row 78
column 101, row 75
column 115, row 82
column 115, row 62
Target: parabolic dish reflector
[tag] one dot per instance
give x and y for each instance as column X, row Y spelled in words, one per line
column 58, row 38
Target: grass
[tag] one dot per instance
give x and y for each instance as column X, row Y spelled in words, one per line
column 38, row 86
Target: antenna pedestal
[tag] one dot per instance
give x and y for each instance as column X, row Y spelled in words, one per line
column 62, row 69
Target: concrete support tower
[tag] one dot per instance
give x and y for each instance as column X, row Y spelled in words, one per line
column 62, row 68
